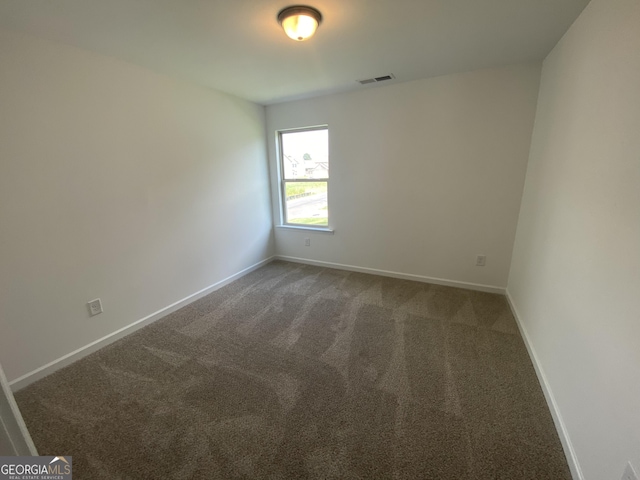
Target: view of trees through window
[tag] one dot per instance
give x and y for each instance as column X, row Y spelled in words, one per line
column 305, row 176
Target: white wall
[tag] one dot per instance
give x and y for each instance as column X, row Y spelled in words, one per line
column 117, row 183
column 425, row 175
column 575, row 276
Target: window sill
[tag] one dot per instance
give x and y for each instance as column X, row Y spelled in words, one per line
column 312, row 229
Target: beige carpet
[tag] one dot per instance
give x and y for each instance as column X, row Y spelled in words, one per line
column 297, row 372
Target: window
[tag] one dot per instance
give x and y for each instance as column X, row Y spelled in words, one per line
column 304, row 176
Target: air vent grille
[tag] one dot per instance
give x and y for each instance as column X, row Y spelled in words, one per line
column 382, row 78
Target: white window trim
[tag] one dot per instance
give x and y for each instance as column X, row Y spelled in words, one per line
column 305, row 227
column 281, row 184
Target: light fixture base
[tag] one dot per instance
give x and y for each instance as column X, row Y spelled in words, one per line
column 299, row 22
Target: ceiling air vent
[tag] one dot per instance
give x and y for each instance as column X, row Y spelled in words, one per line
column 376, row 79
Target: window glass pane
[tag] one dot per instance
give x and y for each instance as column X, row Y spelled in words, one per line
column 305, row 154
column 306, row 203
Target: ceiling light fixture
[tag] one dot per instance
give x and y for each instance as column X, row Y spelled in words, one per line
column 299, row 22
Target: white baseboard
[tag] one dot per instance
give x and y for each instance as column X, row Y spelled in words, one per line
column 69, row 358
column 572, row 459
column 404, row 276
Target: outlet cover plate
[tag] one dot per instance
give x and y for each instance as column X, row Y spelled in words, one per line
column 95, row 307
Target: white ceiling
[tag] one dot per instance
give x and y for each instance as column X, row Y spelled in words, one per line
column 238, row 47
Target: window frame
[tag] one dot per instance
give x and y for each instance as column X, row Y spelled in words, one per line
column 284, row 221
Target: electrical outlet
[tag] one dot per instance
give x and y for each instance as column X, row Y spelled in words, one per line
column 481, row 260
column 629, row 473
column 95, row 307
column 307, row 242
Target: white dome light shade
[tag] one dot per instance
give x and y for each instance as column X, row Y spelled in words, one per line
column 299, row 22
column 299, row 27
